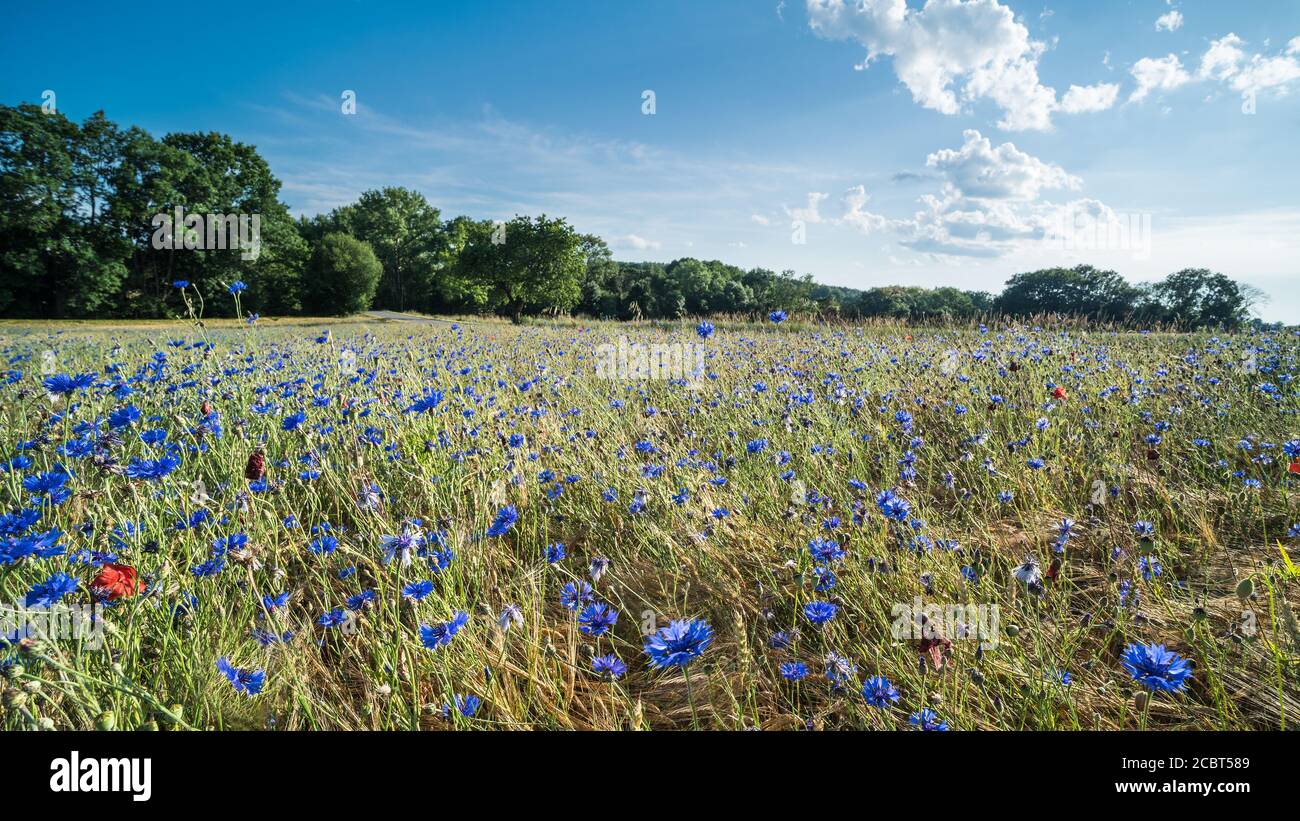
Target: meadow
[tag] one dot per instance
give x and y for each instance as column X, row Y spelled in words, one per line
column 350, row 524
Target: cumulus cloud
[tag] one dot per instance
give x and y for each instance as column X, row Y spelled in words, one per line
column 1085, row 99
column 989, row 204
column 1170, row 21
column 951, row 52
column 1157, row 74
column 979, row 170
column 1225, row 61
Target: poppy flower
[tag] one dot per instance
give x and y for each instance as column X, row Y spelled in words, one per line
column 116, row 581
column 1059, row 393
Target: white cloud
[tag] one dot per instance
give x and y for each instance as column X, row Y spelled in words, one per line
column 989, row 203
column 1170, row 21
column 809, row 214
column 1085, row 99
column 979, row 170
column 1224, row 61
column 636, row 243
column 949, row 53
column 856, row 215
column 1157, row 74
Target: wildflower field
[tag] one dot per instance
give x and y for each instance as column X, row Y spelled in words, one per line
column 467, row 525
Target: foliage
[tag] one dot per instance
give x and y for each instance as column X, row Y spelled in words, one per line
column 344, row 275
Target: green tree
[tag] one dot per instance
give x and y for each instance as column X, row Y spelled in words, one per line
column 526, row 265
column 1082, row 291
column 409, row 239
column 344, row 275
column 1199, row 298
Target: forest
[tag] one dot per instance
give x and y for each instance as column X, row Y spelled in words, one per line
column 81, row 205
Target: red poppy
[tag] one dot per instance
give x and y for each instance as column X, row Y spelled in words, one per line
column 116, row 581
column 1294, row 467
column 1059, row 393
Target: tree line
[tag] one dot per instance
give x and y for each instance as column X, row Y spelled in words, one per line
column 82, row 208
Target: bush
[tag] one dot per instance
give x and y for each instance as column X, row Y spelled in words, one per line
column 342, row 276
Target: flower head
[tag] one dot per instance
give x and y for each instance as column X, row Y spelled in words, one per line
column 679, row 643
column 1156, row 668
column 248, row 682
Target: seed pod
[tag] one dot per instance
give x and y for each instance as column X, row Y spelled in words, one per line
column 106, row 721
column 14, row 699
column 1246, row 588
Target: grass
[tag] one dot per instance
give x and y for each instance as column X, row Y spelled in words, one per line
column 1222, row 598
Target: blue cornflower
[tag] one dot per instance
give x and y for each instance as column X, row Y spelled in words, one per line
column 825, row 551
column 180, row 284
column 819, row 612
column 704, row 329
column 879, row 692
column 597, row 619
column 777, row 317
column 152, row 469
column 576, row 595
column 1156, row 668
column 505, row 519
column 610, row 666
column 679, row 643
column 211, row 567
column 334, row 618
column 52, row 590
column 555, row 553
column 248, row 682
column 323, row 545
column 440, row 635
column 236, row 286
column 49, row 483
column 293, row 421
column 61, row 384
column 426, row 403
column 359, row 601
column 465, row 705
column 794, row 670
column 415, row 591
column 273, row 603
column 927, row 719
column 893, row 507
column 1143, row 529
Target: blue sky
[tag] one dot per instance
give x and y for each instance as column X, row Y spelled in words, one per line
column 981, row 138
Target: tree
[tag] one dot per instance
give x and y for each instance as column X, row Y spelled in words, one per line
column 526, row 265
column 344, row 275
column 409, row 239
column 1199, row 298
column 1082, row 290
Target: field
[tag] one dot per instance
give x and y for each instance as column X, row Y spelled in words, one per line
column 474, row 525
